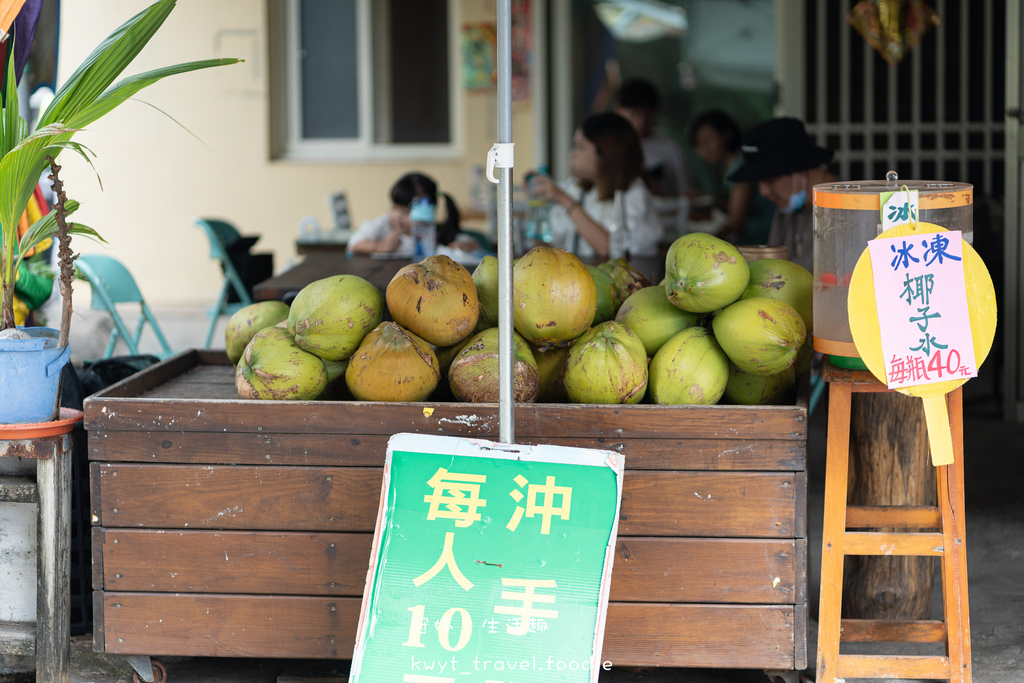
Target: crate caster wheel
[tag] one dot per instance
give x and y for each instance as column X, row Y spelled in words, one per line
column 159, row 673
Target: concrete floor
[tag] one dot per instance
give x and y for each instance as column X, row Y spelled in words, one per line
column 994, row 473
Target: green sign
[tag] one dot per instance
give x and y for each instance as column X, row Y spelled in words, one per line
column 491, row 563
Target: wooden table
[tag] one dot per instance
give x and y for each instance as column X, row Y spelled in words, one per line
column 318, row 265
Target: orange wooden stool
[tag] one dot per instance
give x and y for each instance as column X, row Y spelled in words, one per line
column 837, row 542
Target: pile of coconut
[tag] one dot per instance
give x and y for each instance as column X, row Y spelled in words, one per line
column 717, row 326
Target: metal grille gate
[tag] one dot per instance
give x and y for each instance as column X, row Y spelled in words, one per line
column 938, row 115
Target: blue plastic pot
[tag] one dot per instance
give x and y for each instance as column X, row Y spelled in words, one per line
column 30, row 376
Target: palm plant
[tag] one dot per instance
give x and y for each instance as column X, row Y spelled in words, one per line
column 87, row 96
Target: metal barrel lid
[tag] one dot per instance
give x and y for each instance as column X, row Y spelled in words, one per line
column 862, row 195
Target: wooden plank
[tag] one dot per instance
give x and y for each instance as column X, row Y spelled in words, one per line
column 332, row 450
column 96, row 548
column 893, row 517
column 801, row 571
column 892, row 666
column 886, row 543
column 98, row 633
column 216, row 497
column 637, row 634
column 861, row 381
column 153, row 376
column 955, row 600
column 17, row 489
column 362, row 450
column 724, row 504
column 730, row 504
column 202, row 625
column 95, row 493
column 882, row 631
column 709, row 636
column 748, row 571
column 274, row 563
column 800, row 636
column 532, row 420
column 833, row 528
column 800, row 503
column 53, row 566
column 203, row 382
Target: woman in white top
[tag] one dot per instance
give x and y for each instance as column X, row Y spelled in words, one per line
column 606, row 156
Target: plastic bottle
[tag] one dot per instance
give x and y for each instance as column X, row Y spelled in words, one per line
column 618, row 233
column 424, row 230
column 538, row 222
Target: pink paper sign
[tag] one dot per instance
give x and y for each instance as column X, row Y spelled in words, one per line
column 922, row 308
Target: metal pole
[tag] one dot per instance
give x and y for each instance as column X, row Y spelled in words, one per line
column 506, row 398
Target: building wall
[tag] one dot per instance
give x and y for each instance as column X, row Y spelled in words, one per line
column 157, row 176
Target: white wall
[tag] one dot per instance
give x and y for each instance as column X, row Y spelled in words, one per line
column 157, row 177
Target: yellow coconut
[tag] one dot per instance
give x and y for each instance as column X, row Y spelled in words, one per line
column 434, row 299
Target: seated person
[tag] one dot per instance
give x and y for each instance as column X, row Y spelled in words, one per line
column 392, row 232
column 716, row 138
column 605, row 158
column 638, row 102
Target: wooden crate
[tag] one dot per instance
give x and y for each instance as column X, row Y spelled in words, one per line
column 238, row 528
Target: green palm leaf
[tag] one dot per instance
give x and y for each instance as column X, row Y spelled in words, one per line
column 87, row 96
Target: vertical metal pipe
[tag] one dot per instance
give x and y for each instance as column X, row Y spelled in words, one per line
column 506, row 398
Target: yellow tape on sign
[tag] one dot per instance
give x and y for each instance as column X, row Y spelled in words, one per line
column 863, row 314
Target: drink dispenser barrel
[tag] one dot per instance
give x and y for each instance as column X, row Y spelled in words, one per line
column 846, row 217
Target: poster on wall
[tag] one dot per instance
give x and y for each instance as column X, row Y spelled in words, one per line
column 522, row 49
column 478, row 44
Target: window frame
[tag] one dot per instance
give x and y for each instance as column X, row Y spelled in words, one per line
column 373, row 103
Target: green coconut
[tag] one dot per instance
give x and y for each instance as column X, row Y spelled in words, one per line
column 392, row 364
column 653, row 318
column 605, row 293
column 336, row 389
column 805, row 356
column 783, row 280
column 247, row 321
column 485, row 276
column 607, row 364
column 689, row 369
column 703, row 272
column 553, row 297
column 330, row 317
column 625, row 279
column 550, row 365
column 274, row 367
column 748, row 389
column 760, row 335
column 474, row 373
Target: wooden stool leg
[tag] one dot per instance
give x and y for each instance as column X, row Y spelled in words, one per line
column 950, row 479
column 833, row 528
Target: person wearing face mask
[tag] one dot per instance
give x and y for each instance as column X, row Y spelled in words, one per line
column 786, row 163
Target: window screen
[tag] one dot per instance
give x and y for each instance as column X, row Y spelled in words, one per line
column 329, row 69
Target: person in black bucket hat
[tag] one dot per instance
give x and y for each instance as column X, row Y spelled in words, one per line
column 786, row 163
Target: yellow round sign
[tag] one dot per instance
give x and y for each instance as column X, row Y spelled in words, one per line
column 863, row 315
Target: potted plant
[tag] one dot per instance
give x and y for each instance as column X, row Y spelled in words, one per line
column 31, row 359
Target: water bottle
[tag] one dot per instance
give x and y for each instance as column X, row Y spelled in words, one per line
column 424, row 230
column 618, row 234
column 538, row 222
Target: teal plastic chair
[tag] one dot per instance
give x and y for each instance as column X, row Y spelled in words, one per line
column 220, row 234
column 112, row 284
